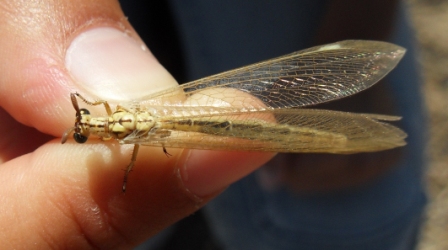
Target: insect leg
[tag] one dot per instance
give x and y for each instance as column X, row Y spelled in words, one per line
column 95, row 103
column 166, row 152
column 130, row 166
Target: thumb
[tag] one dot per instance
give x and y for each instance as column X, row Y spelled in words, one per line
column 51, row 48
column 114, row 65
column 69, row 196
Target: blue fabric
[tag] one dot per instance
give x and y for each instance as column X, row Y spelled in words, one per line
column 386, row 214
column 221, row 35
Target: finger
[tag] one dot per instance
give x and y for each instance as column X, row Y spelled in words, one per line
column 18, row 139
column 67, row 46
column 59, row 203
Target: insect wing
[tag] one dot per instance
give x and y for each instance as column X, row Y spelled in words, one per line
column 295, row 130
column 308, row 77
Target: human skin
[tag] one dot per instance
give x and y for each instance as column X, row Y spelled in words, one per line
column 69, row 196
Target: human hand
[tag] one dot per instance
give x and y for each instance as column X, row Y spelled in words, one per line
column 69, row 196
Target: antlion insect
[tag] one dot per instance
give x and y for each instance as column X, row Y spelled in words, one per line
column 284, row 84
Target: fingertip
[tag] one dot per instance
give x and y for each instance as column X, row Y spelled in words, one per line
column 205, row 172
column 114, row 66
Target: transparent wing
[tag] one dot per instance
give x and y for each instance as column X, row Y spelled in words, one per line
column 308, row 77
column 292, row 130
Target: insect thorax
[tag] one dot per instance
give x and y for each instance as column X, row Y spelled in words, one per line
column 121, row 124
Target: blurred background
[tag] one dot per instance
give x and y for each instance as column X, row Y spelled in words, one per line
column 430, row 19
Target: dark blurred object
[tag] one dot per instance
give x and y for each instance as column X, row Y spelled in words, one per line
column 191, row 233
column 154, row 22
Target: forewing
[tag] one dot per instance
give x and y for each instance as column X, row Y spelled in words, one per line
column 308, row 77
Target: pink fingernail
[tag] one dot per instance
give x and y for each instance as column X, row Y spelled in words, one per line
column 114, row 66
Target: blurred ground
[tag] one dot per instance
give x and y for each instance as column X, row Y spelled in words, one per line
column 430, row 18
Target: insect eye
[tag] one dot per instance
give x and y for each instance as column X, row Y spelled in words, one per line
column 79, row 138
column 84, row 112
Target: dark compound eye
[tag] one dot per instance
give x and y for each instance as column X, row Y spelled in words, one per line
column 84, row 112
column 79, row 138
